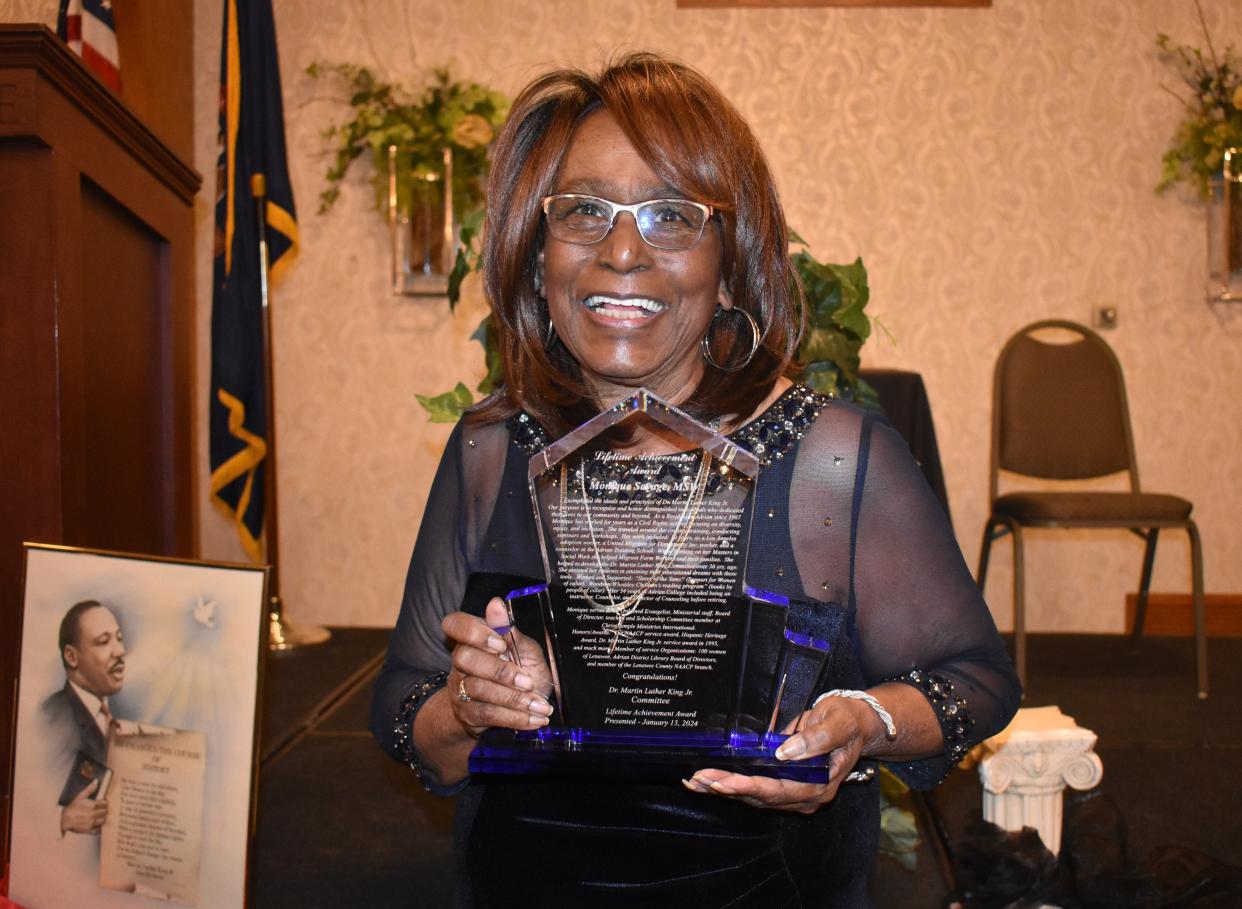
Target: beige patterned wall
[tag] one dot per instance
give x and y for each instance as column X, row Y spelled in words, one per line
column 28, row 11
column 991, row 166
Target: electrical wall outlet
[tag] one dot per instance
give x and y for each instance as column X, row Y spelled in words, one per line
column 1104, row 317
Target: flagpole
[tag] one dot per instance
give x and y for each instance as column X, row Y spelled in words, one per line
column 284, row 635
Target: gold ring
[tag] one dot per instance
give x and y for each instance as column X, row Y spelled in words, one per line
column 461, row 692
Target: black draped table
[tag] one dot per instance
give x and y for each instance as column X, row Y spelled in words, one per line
column 904, row 399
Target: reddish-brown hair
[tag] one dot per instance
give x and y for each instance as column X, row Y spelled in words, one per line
column 695, row 140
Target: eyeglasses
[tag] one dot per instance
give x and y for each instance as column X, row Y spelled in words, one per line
column 662, row 223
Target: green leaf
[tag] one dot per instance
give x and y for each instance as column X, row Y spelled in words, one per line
column 447, row 407
column 327, row 198
column 862, row 394
column 467, row 255
column 834, row 298
column 487, row 336
column 824, row 378
column 471, row 224
column 461, row 268
column 854, row 297
column 827, row 344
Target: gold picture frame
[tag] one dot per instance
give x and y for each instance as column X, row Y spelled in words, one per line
column 809, row 4
column 135, row 757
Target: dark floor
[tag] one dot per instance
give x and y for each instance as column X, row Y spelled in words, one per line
column 341, row 825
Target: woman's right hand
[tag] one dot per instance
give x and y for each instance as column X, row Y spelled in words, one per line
column 498, row 692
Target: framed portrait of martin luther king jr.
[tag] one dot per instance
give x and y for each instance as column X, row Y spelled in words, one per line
column 134, row 766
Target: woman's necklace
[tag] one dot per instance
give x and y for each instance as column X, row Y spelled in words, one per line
column 684, row 525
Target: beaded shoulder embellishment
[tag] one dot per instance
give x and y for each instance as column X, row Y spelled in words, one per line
column 526, row 433
column 769, row 436
column 774, row 432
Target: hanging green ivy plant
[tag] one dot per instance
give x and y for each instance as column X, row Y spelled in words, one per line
column 446, row 113
column 1211, row 110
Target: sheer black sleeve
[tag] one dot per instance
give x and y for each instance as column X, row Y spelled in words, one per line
column 458, row 507
column 920, row 617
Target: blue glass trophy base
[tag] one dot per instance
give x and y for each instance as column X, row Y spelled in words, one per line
column 650, row 756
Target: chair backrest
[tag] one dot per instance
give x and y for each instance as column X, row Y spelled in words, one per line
column 1059, row 410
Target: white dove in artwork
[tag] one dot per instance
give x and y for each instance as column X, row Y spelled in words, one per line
column 204, row 612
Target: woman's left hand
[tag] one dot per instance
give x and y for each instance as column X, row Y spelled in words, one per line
column 765, row 791
column 839, row 727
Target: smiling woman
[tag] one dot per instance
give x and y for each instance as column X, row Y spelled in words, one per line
column 635, row 239
column 630, row 313
column 645, row 131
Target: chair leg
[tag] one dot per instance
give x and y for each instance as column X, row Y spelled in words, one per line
column 1019, row 606
column 985, row 551
column 1140, row 611
column 1196, row 580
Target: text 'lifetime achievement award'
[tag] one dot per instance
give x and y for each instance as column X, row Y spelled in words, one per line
column 663, row 659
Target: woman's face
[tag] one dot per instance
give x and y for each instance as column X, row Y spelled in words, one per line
column 631, row 315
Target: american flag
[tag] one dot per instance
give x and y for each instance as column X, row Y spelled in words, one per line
column 87, row 27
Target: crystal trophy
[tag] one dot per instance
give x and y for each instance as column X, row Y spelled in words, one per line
column 663, row 659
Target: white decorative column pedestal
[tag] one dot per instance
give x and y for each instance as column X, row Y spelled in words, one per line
column 1027, row 766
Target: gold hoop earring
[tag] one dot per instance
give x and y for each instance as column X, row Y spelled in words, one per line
column 550, row 338
column 706, row 347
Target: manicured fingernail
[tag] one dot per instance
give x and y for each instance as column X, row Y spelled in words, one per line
column 538, row 720
column 793, row 748
column 495, row 643
column 540, row 706
column 523, row 681
column 694, row 785
column 722, row 788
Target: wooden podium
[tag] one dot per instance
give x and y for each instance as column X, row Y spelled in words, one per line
column 96, row 327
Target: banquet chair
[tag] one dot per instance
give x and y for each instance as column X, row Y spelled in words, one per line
column 1059, row 412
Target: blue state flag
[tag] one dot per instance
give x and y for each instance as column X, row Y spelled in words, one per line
column 252, row 142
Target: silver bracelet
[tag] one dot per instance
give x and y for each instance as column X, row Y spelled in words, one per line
column 868, row 700
column 862, row 776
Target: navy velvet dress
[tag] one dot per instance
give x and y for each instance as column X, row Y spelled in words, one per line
column 845, row 525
